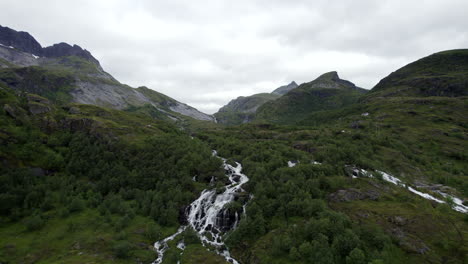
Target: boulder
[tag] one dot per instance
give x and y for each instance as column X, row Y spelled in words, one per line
column 11, row 111
column 38, row 108
column 37, row 99
column 74, row 110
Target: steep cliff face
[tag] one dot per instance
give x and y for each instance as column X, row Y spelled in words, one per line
column 20, row 40
column 285, row 89
column 64, row 49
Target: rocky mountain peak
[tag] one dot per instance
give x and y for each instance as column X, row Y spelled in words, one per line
column 285, row 88
column 331, row 76
column 332, row 80
column 24, row 42
column 20, row 40
column 65, row 49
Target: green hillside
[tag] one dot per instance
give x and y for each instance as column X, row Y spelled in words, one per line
column 242, row 109
column 440, row 74
column 335, row 174
column 325, row 93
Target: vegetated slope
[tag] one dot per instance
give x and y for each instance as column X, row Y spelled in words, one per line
column 326, row 92
column 440, row 74
column 81, row 78
column 242, row 109
column 86, row 183
column 285, row 88
column 419, row 139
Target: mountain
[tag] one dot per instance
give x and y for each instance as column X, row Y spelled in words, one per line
column 440, row 74
column 371, row 179
column 20, row 40
column 65, row 73
column 285, row 88
column 326, row 92
column 242, row 109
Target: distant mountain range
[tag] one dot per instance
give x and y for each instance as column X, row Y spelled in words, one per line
column 292, row 102
column 68, row 73
column 242, row 109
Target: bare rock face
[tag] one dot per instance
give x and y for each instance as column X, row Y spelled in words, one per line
column 20, row 40
column 285, row 89
column 37, row 108
column 11, row 111
column 190, row 111
column 37, row 99
column 38, row 104
column 16, row 57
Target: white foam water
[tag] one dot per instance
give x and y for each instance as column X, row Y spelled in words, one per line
column 207, row 215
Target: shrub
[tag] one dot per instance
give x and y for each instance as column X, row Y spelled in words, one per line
column 34, row 222
column 122, row 249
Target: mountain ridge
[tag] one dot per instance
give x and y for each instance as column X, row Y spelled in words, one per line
column 242, row 109
column 86, row 81
column 325, row 92
column 439, row 74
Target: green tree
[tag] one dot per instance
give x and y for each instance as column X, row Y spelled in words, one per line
column 356, row 257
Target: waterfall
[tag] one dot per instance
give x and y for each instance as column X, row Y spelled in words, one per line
column 208, row 216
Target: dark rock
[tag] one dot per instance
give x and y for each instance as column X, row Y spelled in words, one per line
column 11, row 111
column 37, row 99
column 285, row 89
column 74, row 110
column 76, row 246
column 64, row 49
column 183, row 215
column 304, row 147
column 226, row 219
column 48, row 124
column 22, row 41
column 236, row 178
column 37, row 108
column 408, row 242
column 398, row 220
column 357, row 124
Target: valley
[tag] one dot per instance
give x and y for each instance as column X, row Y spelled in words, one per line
column 95, row 171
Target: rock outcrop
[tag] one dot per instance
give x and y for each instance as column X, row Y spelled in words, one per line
column 23, row 41
column 285, row 88
column 63, row 49
column 20, row 40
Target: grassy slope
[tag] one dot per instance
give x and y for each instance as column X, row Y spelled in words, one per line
column 241, row 108
column 440, row 74
column 383, row 149
column 326, row 92
column 85, row 236
column 300, row 102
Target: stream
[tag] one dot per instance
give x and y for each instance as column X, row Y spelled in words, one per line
column 457, row 202
column 208, row 216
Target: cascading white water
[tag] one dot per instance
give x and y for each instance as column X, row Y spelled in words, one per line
column 207, row 215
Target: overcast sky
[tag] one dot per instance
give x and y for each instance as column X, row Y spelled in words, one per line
column 207, row 52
